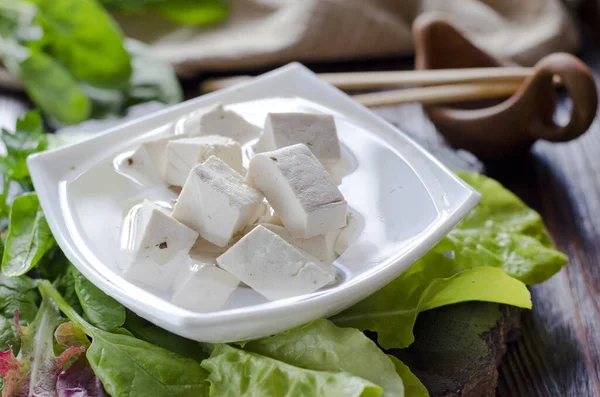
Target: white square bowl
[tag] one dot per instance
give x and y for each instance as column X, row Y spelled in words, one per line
column 405, row 199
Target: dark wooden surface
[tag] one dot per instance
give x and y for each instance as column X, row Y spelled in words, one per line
column 559, row 351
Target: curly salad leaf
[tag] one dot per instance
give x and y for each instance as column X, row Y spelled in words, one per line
column 321, row 346
column 503, row 232
column 501, row 245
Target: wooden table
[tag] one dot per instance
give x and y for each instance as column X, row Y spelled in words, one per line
column 559, row 351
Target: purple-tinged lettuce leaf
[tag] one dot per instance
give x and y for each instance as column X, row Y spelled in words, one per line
column 79, row 380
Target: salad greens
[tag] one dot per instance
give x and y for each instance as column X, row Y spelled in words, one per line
column 100, row 309
column 102, row 349
column 74, row 50
column 433, row 281
column 29, row 237
column 128, row 366
column 35, row 368
column 235, row 372
column 187, row 12
column 321, row 346
column 503, row 232
column 18, row 293
column 28, row 138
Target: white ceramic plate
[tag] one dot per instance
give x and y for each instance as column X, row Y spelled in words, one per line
column 405, row 200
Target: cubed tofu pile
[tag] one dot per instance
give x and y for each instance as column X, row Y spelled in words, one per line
column 274, row 227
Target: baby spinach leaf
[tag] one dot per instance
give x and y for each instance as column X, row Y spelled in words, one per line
column 18, row 293
column 188, row 12
column 27, row 138
column 83, row 37
column 503, row 232
column 29, row 237
column 101, row 310
column 235, row 372
column 149, row 332
column 66, row 287
column 131, row 367
column 433, row 281
column 4, row 207
column 9, row 336
column 45, row 80
column 53, row 265
column 321, row 346
column 152, row 79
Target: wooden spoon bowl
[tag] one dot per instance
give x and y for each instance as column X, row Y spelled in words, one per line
column 497, row 129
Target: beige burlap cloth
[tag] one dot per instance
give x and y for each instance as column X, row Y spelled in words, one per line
column 261, row 33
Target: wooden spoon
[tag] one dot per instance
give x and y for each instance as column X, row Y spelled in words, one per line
column 503, row 128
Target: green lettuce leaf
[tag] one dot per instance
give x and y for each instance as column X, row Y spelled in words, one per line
column 9, row 338
column 412, row 385
column 29, row 237
column 101, row 310
column 321, row 346
column 187, row 12
column 433, row 281
column 83, row 37
column 18, row 293
column 145, row 330
column 45, row 79
column 35, row 368
column 503, row 232
column 235, row 372
column 28, row 138
column 130, row 367
column 500, row 209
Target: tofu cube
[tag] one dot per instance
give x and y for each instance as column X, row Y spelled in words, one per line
column 347, row 235
column 321, row 247
column 149, row 158
column 317, row 131
column 216, row 120
column 216, row 202
column 184, row 154
column 160, row 247
column 204, row 288
column 299, row 189
column 272, row 266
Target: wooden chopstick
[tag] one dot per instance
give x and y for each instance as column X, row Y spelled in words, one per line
column 373, row 80
column 438, row 94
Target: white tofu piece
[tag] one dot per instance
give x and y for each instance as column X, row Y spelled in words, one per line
column 272, row 266
column 217, row 120
column 160, row 247
column 204, row 288
column 317, row 131
column 268, row 215
column 320, row 247
column 216, row 202
column 149, row 158
column 347, row 235
column 299, row 189
column 183, row 154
